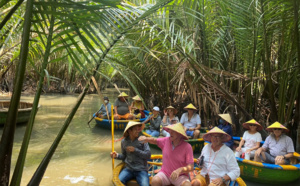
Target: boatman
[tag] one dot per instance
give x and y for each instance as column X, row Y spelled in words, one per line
column 122, row 107
column 102, row 111
column 135, row 155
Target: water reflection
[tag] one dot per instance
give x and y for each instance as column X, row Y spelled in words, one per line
column 82, row 157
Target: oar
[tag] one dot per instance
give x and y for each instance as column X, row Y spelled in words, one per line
column 100, row 95
column 112, row 135
column 92, row 118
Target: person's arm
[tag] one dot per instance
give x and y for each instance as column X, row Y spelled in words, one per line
column 116, row 109
column 148, row 140
column 198, row 127
column 164, row 120
column 240, row 145
column 144, row 154
column 157, row 123
column 147, row 119
column 123, row 155
column 254, row 148
column 233, row 167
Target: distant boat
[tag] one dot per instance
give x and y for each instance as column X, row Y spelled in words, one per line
column 24, row 111
column 269, row 173
column 154, row 165
column 119, row 124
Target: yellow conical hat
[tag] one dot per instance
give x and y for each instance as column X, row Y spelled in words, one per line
column 246, row 125
column 216, row 130
column 131, row 124
column 123, row 94
column 190, row 106
column 137, row 98
column 178, row 127
column 277, row 125
column 226, row 117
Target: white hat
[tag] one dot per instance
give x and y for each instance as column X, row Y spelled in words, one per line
column 156, row 108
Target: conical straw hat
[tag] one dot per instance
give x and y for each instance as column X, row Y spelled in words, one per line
column 123, row 94
column 137, row 98
column 277, row 125
column 131, row 124
column 177, row 128
column 226, row 117
column 246, row 125
column 216, row 130
column 190, row 106
column 171, row 107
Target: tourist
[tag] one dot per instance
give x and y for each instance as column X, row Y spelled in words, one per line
column 135, row 155
column 191, row 121
column 278, row 147
column 137, row 107
column 225, row 123
column 122, row 107
column 168, row 119
column 102, row 113
column 177, row 157
column 155, row 121
column 217, row 160
column 251, row 140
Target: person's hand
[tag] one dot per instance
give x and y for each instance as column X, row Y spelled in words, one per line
column 257, row 153
column 175, row 174
column 130, row 149
column 238, row 149
column 113, row 154
column 165, row 112
column 248, row 151
column 217, row 181
column 279, row 158
column 142, row 139
column 198, row 161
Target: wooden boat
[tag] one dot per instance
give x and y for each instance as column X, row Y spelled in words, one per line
column 197, row 144
column 119, row 124
column 24, row 111
column 269, row 173
column 153, row 167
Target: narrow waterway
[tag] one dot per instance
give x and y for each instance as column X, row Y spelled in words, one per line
column 82, row 157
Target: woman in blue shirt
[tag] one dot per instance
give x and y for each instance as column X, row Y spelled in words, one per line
column 225, row 123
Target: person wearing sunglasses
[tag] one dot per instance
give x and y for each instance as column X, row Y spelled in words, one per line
column 251, row 140
column 278, row 147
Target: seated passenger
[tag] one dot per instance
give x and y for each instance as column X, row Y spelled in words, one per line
column 135, row 155
column 137, row 107
column 191, row 121
column 155, row 121
column 122, row 107
column 251, row 140
column 177, row 159
column 225, row 123
column 217, row 161
column 102, row 113
column 278, row 147
column 168, row 119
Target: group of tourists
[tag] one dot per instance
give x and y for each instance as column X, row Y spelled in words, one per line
column 217, row 160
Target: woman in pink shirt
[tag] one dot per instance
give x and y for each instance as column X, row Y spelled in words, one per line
column 177, row 159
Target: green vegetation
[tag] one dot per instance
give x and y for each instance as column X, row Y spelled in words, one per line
column 232, row 56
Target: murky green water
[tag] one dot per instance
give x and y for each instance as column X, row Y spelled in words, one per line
column 82, row 157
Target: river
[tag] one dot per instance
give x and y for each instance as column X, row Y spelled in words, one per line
column 82, row 157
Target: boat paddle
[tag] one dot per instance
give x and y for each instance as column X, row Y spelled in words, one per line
column 112, row 135
column 101, row 97
column 93, row 118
